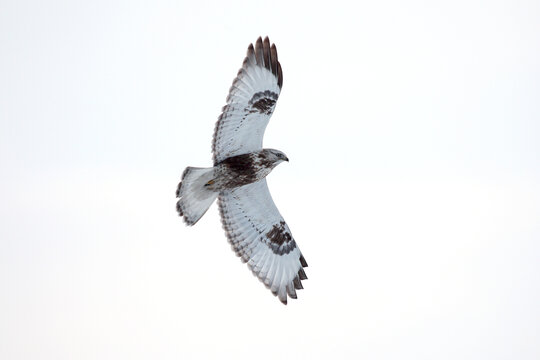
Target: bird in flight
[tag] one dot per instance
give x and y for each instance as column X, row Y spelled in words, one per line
column 254, row 227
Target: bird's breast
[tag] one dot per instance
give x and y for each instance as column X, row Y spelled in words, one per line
column 239, row 170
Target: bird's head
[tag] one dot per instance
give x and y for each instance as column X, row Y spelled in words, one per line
column 273, row 157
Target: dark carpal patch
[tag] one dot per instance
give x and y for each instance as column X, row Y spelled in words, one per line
column 263, row 102
column 283, row 249
column 280, row 240
column 278, row 235
column 264, row 105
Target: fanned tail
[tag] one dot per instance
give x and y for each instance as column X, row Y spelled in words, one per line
column 194, row 197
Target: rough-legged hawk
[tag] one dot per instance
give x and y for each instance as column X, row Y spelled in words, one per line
column 254, row 227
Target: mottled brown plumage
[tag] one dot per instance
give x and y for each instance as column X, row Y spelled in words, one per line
column 244, row 169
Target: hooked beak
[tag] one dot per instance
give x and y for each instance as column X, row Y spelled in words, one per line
column 286, row 159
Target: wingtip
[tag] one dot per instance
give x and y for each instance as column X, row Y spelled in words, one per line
column 279, row 75
column 303, row 261
column 297, row 283
column 250, row 49
column 291, row 291
column 178, row 189
column 179, row 209
column 302, row 274
column 259, row 52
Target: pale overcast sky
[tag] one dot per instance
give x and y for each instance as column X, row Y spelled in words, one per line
column 413, row 189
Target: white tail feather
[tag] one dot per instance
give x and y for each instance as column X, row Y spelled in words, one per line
column 194, row 197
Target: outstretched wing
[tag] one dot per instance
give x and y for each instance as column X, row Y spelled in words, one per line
column 250, row 104
column 260, row 236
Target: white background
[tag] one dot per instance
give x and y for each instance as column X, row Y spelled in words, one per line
column 413, row 188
